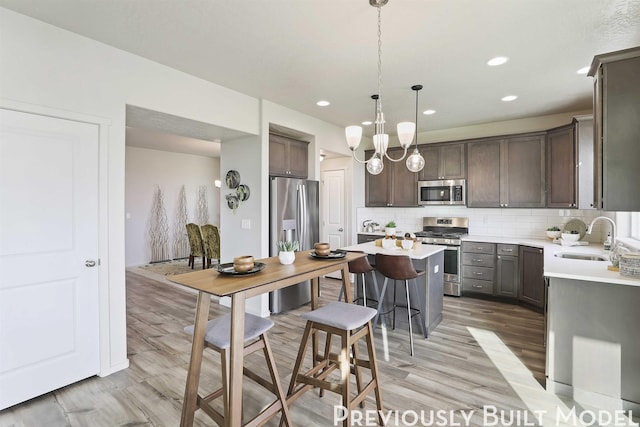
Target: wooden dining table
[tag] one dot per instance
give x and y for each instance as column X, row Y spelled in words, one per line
column 240, row 287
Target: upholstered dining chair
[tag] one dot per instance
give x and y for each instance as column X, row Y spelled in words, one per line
column 195, row 243
column 211, row 240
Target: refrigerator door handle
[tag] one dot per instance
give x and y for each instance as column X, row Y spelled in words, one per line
column 303, row 215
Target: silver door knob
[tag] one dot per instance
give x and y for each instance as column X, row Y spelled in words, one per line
column 90, row 263
column 340, row 229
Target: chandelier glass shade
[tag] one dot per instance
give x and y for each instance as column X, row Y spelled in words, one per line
column 415, row 162
column 405, row 130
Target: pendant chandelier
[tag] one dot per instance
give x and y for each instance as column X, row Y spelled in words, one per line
column 406, row 130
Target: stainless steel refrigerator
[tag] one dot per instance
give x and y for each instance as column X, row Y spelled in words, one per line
column 293, row 215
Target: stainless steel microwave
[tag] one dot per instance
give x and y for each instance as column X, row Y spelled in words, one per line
column 443, row 192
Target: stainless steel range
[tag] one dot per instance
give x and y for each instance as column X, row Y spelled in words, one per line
column 447, row 232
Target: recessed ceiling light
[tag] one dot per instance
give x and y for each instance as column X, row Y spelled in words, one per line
column 367, row 123
column 322, row 103
column 498, row 60
column 428, row 112
column 509, row 98
column 583, row 70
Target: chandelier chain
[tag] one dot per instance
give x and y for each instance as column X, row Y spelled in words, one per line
column 379, row 57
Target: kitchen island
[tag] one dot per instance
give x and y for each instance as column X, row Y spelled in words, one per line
column 428, row 258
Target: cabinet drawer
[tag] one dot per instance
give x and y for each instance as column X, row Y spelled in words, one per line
column 480, row 260
column 509, row 250
column 482, row 273
column 364, row 238
column 480, row 286
column 479, row 247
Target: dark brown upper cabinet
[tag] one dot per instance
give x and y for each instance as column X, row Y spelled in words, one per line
column 507, row 171
column 394, row 186
column 443, row 161
column 288, row 157
column 616, row 106
column 561, row 167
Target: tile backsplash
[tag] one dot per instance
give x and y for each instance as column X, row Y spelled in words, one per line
column 510, row 222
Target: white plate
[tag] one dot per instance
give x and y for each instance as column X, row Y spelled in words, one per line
column 576, row 225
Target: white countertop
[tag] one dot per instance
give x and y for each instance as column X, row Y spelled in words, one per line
column 421, row 252
column 576, row 269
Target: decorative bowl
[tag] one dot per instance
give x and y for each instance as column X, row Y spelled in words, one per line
column 322, row 249
column 407, row 244
column 570, row 237
column 243, row 263
column 554, row 234
column 388, row 243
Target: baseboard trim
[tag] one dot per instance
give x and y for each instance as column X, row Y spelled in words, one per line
column 115, row 368
column 591, row 398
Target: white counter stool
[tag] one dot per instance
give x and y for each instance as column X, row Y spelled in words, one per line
column 255, row 338
column 399, row 267
column 351, row 323
column 362, row 266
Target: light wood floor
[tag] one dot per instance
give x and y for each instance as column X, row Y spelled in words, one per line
column 450, row 371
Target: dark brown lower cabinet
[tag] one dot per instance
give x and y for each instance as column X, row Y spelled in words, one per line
column 508, row 276
column 364, row 238
column 532, row 289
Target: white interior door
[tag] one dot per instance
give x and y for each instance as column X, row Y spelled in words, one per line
column 333, row 207
column 49, row 325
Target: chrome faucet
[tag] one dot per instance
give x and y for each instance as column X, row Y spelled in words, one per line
column 613, row 228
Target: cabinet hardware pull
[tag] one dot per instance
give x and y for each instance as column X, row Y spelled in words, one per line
column 478, row 274
column 508, row 250
column 476, row 260
column 478, row 286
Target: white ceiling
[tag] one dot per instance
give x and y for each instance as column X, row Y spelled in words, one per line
column 296, row 52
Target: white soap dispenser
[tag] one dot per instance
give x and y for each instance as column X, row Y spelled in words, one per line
column 607, row 242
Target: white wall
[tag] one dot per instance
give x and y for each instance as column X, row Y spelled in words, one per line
column 240, row 155
column 145, row 170
column 242, row 231
column 44, row 66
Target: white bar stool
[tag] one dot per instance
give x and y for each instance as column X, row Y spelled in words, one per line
column 255, row 338
column 351, row 323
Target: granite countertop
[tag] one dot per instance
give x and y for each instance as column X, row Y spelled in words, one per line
column 421, row 252
column 590, row 271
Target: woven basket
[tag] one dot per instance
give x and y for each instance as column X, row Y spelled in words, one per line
column 630, row 265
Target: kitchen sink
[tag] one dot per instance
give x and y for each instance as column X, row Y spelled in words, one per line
column 584, row 257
